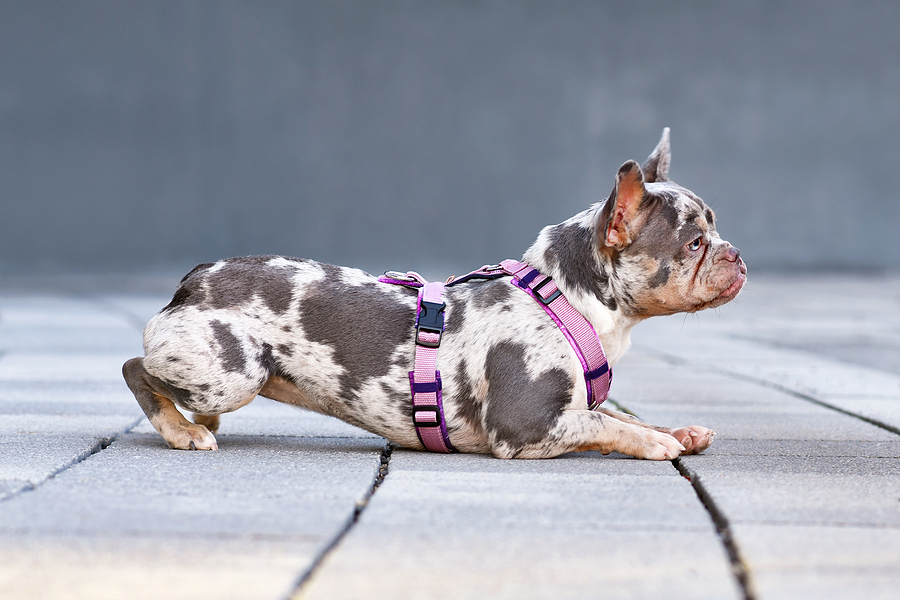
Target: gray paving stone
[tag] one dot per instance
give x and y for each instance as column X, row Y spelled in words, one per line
column 791, row 477
column 73, row 367
column 58, row 312
column 810, row 494
column 140, row 308
column 890, row 448
column 117, row 566
column 803, row 490
column 811, row 562
column 735, row 409
column 883, row 410
column 559, row 563
column 261, row 507
column 71, row 340
column 872, row 392
column 64, row 398
column 35, row 447
column 267, row 417
column 750, row 423
column 11, row 487
column 564, row 528
column 144, row 487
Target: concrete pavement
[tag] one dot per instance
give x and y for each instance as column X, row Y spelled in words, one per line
column 798, row 497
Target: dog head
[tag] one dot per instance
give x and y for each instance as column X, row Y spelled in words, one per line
column 661, row 242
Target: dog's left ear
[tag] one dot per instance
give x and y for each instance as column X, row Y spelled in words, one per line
column 657, row 166
column 618, row 220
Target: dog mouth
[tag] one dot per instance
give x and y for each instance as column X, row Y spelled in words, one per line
column 729, row 293
column 732, row 290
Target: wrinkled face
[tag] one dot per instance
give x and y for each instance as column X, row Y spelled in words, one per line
column 677, row 262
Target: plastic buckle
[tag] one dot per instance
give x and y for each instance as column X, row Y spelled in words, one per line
column 424, row 409
column 542, row 299
column 431, row 320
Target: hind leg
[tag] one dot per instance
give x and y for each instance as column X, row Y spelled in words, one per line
column 155, row 398
column 211, row 422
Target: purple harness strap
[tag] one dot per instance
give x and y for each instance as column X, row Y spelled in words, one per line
column 425, row 379
column 577, row 329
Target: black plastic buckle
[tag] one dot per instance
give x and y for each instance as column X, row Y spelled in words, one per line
column 541, row 299
column 431, row 319
column 421, row 409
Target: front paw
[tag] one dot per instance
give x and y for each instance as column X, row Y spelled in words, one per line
column 695, row 439
column 655, row 445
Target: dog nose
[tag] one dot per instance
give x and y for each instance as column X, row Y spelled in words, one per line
column 733, row 254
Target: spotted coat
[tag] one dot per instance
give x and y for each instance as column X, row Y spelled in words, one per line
column 337, row 341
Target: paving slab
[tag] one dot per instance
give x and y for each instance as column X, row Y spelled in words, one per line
column 81, row 517
column 810, row 562
column 271, row 503
column 72, row 367
column 36, row 447
column 688, row 393
column 575, row 527
column 810, row 495
column 66, row 398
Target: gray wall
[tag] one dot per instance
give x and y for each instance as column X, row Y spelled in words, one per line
column 138, row 135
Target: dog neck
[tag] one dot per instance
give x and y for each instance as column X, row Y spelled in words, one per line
column 568, row 253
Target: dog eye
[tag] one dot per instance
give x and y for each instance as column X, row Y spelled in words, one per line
column 695, row 245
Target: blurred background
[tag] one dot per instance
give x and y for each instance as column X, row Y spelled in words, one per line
column 437, row 135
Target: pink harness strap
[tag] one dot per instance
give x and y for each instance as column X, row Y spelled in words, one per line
column 425, row 380
column 577, row 329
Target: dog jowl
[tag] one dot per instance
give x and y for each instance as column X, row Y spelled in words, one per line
column 338, row 341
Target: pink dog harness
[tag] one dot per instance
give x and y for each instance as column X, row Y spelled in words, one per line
column 425, row 379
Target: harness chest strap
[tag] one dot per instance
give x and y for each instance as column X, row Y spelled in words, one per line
column 425, row 379
column 578, row 331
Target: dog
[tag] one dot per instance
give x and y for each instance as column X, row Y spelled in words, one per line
column 340, row 342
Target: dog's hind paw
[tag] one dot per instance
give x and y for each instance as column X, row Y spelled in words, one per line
column 190, row 437
column 211, row 422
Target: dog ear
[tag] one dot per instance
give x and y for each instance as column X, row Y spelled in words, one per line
column 619, row 215
column 657, row 166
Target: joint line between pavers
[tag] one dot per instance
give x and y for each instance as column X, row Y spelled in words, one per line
column 739, row 567
column 98, row 446
column 383, row 469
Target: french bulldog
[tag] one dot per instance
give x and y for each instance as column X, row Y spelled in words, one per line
column 338, row 341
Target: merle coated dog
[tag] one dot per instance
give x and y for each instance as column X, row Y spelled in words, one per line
column 337, row 341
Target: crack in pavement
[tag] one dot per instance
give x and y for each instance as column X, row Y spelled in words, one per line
column 95, row 448
column 360, row 507
column 739, row 567
column 101, row 444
